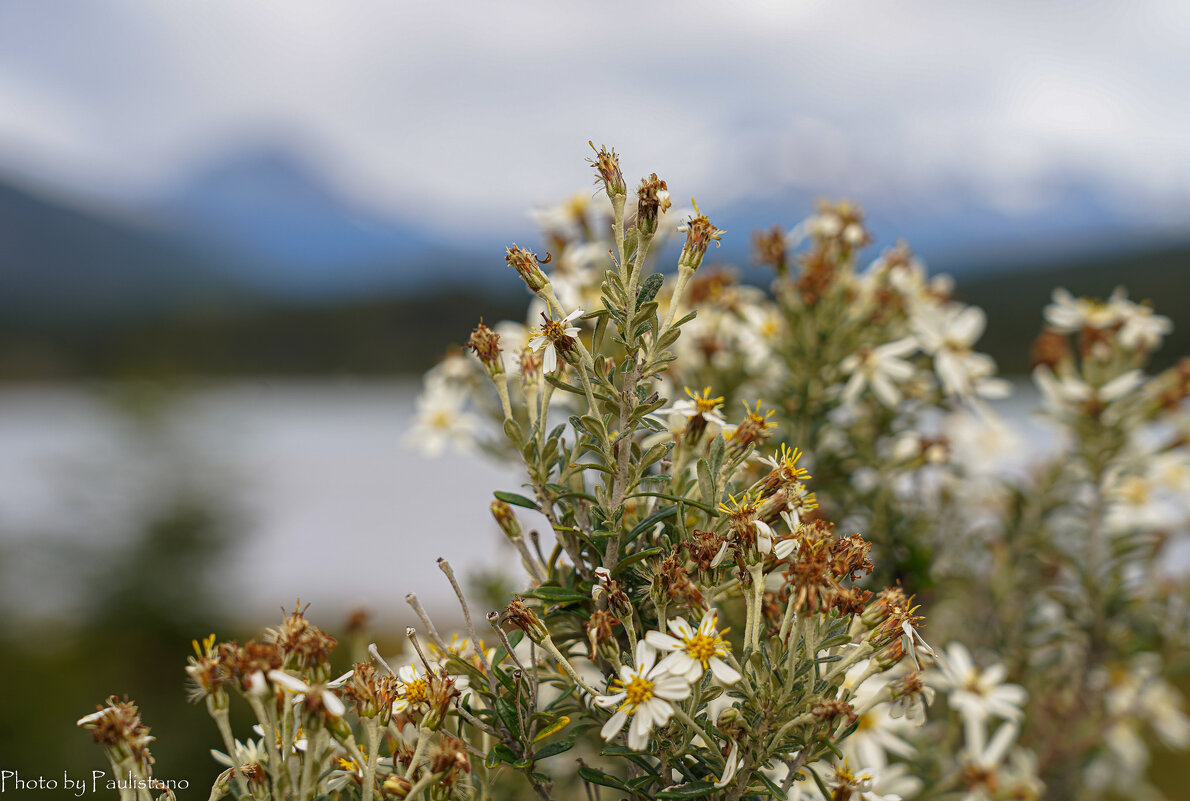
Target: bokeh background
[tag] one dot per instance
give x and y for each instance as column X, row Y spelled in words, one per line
column 232, row 234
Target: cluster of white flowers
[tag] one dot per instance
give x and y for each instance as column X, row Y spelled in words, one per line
column 874, row 372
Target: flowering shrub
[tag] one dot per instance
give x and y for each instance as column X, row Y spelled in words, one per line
column 698, row 626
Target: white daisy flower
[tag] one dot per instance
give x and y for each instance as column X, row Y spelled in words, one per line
column 984, row 757
column 694, row 651
column 948, row 335
column 1144, row 330
column 977, row 694
column 882, row 368
column 642, row 694
column 330, row 702
column 413, row 689
column 1069, row 314
column 554, row 335
column 441, row 421
column 252, row 752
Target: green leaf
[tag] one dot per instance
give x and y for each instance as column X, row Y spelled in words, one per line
column 501, row 654
column 503, row 753
column 553, row 749
column 650, row 522
column 688, row 790
column 706, row 484
column 715, row 455
column 673, row 498
column 516, row 500
column 559, row 595
column 649, row 289
column 508, row 716
column 594, row 776
column 634, row 558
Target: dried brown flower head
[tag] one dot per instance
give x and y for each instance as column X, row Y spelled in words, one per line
column 485, row 343
column 652, row 199
column 607, row 168
column 527, row 265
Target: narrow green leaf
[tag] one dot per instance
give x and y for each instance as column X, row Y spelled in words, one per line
column 516, row 500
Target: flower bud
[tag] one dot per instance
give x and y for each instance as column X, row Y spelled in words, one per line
column 732, row 724
column 396, row 787
column 506, row 519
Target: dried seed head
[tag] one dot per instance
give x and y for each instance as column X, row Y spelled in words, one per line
column 119, row 729
column 670, row 580
column 849, row 557
column 528, row 266
column 1051, row 348
column 851, row 600
column 769, row 248
column 520, row 615
column 702, row 548
column 300, row 643
column 486, row 345
column 530, row 364
column 358, row 620
column 700, row 233
column 247, row 665
column 440, row 692
column 371, row 692
column 607, row 168
column 600, row 632
column 449, row 756
column 754, row 429
column 652, row 199
column 832, row 710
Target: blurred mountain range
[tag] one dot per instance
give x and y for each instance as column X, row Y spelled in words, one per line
column 254, row 262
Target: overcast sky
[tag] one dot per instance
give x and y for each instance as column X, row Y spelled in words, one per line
column 473, row 111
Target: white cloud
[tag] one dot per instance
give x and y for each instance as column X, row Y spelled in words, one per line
column 473, row 110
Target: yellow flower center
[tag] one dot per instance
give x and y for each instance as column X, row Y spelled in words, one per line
column 702, row 647
column 415, row 691
column 553, row 330
column 639, row 690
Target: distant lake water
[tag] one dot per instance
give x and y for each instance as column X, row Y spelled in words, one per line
column 333, row 506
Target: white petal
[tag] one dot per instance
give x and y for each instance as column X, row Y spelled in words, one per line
column 550, row 362
column 723, row 672
column 608, row 701
column 332, row 703
column 289, row 682
column 681, row 627
column 646, row 656
column 968, row 325
column 339, row 682
column 1001, row 742
column 885, row 390
column 613, row 725
column 672, row 687
column 638, row 732
column 662, row 642
column 719, row 556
